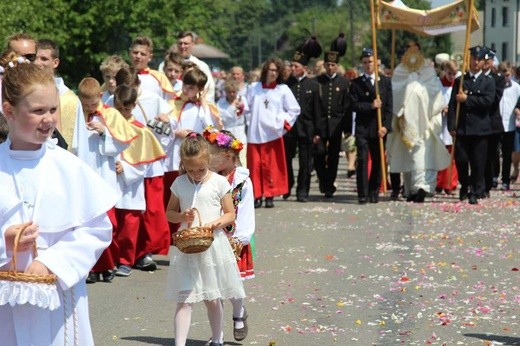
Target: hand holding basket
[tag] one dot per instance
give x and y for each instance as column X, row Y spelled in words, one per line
column 193, row 239
column 19, row 288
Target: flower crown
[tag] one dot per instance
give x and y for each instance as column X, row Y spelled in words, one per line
column 221, row 139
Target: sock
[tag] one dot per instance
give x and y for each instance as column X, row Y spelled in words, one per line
column 238, row 311
column 182, row 323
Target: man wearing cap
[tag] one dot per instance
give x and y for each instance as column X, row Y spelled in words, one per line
column 308, row 129
column 335, row 106
column 367, row 133
column 497, row 128
column 415, row 147
column 472, row 126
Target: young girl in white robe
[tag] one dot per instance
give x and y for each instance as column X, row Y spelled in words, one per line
column 59, row 204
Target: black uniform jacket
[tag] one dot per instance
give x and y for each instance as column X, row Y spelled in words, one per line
column 335, row 103
column 310, row 122
column 362, row 94
column 496, row 119
column 474, row 116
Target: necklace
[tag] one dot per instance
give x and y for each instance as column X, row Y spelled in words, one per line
column 266, row 97
column 197, row 187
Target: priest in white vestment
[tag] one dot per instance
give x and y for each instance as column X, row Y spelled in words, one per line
column 415, row 147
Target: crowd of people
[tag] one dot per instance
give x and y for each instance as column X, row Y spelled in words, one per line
column 146, row 153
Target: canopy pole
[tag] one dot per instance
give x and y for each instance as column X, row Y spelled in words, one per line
column 465, row 63
column 376, row 84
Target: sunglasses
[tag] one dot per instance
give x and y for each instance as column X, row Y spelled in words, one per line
column 31, row 56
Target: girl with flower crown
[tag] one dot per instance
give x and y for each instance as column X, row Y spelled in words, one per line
column 225, row 149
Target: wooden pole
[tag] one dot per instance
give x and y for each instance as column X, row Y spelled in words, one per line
column 376, row 84
column 465, row 62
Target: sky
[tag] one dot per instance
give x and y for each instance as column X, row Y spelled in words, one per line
column 437, row 3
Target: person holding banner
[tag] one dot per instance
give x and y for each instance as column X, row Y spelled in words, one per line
column 365, row 104
column 471, row 124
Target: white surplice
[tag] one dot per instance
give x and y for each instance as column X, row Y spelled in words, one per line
column 68, row 201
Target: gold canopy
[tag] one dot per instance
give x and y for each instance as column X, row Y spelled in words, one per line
column 440, row 20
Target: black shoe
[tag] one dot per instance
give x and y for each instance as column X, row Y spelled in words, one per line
column 495, row 183
column 362, row 200
column 394, row 196
column 374, row 198
column 411, row 198
column 301, row 199
column 146, row 263
column 240, row 334
column 421, row 195
column 108, row 275
column 287, row 195
column 269, row 202
column 486, row 195
column 462, row 195
column 438, row 189
column 258, row 203
column 351, row 173
column 473, row 199
column 92, row 278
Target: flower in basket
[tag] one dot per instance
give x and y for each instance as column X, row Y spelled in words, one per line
column 223, row 139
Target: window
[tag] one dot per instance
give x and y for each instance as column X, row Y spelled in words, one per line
column 493, row 17
column 505, row 16
column 504, row 51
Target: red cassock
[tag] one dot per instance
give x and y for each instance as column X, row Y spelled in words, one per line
column 444, row 181
column 267, row 167
column 106, row 261
column 154, row 231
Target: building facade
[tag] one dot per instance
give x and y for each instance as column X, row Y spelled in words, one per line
column 501, row 18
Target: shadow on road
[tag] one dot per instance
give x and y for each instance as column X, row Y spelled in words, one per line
column 504, row 340
column 171, row 341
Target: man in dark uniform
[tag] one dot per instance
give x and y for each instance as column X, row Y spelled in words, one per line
column 308, row 129
column 473, row 125
column 365, row 105
column 497, row 128
column 335, row 103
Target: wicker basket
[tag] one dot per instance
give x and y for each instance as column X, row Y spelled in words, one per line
column 193, row 239
column 236, row 245
column 13, row 275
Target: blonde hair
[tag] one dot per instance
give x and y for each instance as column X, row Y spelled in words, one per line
column 22, row 78
column 452, row 65
column 112, row 63
column 7, row 56
column 89, row 88
column 143, row 41
column 194, row 145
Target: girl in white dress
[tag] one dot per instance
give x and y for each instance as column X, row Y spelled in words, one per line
column 60, row 205
column 212, row 275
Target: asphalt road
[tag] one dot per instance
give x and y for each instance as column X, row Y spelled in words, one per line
column 332, row 272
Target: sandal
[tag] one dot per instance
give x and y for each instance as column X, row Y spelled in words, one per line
column 240, row 334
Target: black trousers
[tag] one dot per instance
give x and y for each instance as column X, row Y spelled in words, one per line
column 368, row 186
column 506, row 141
column 470, row 152
column 492, row 161
column 305, row 163
column 326, row 159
